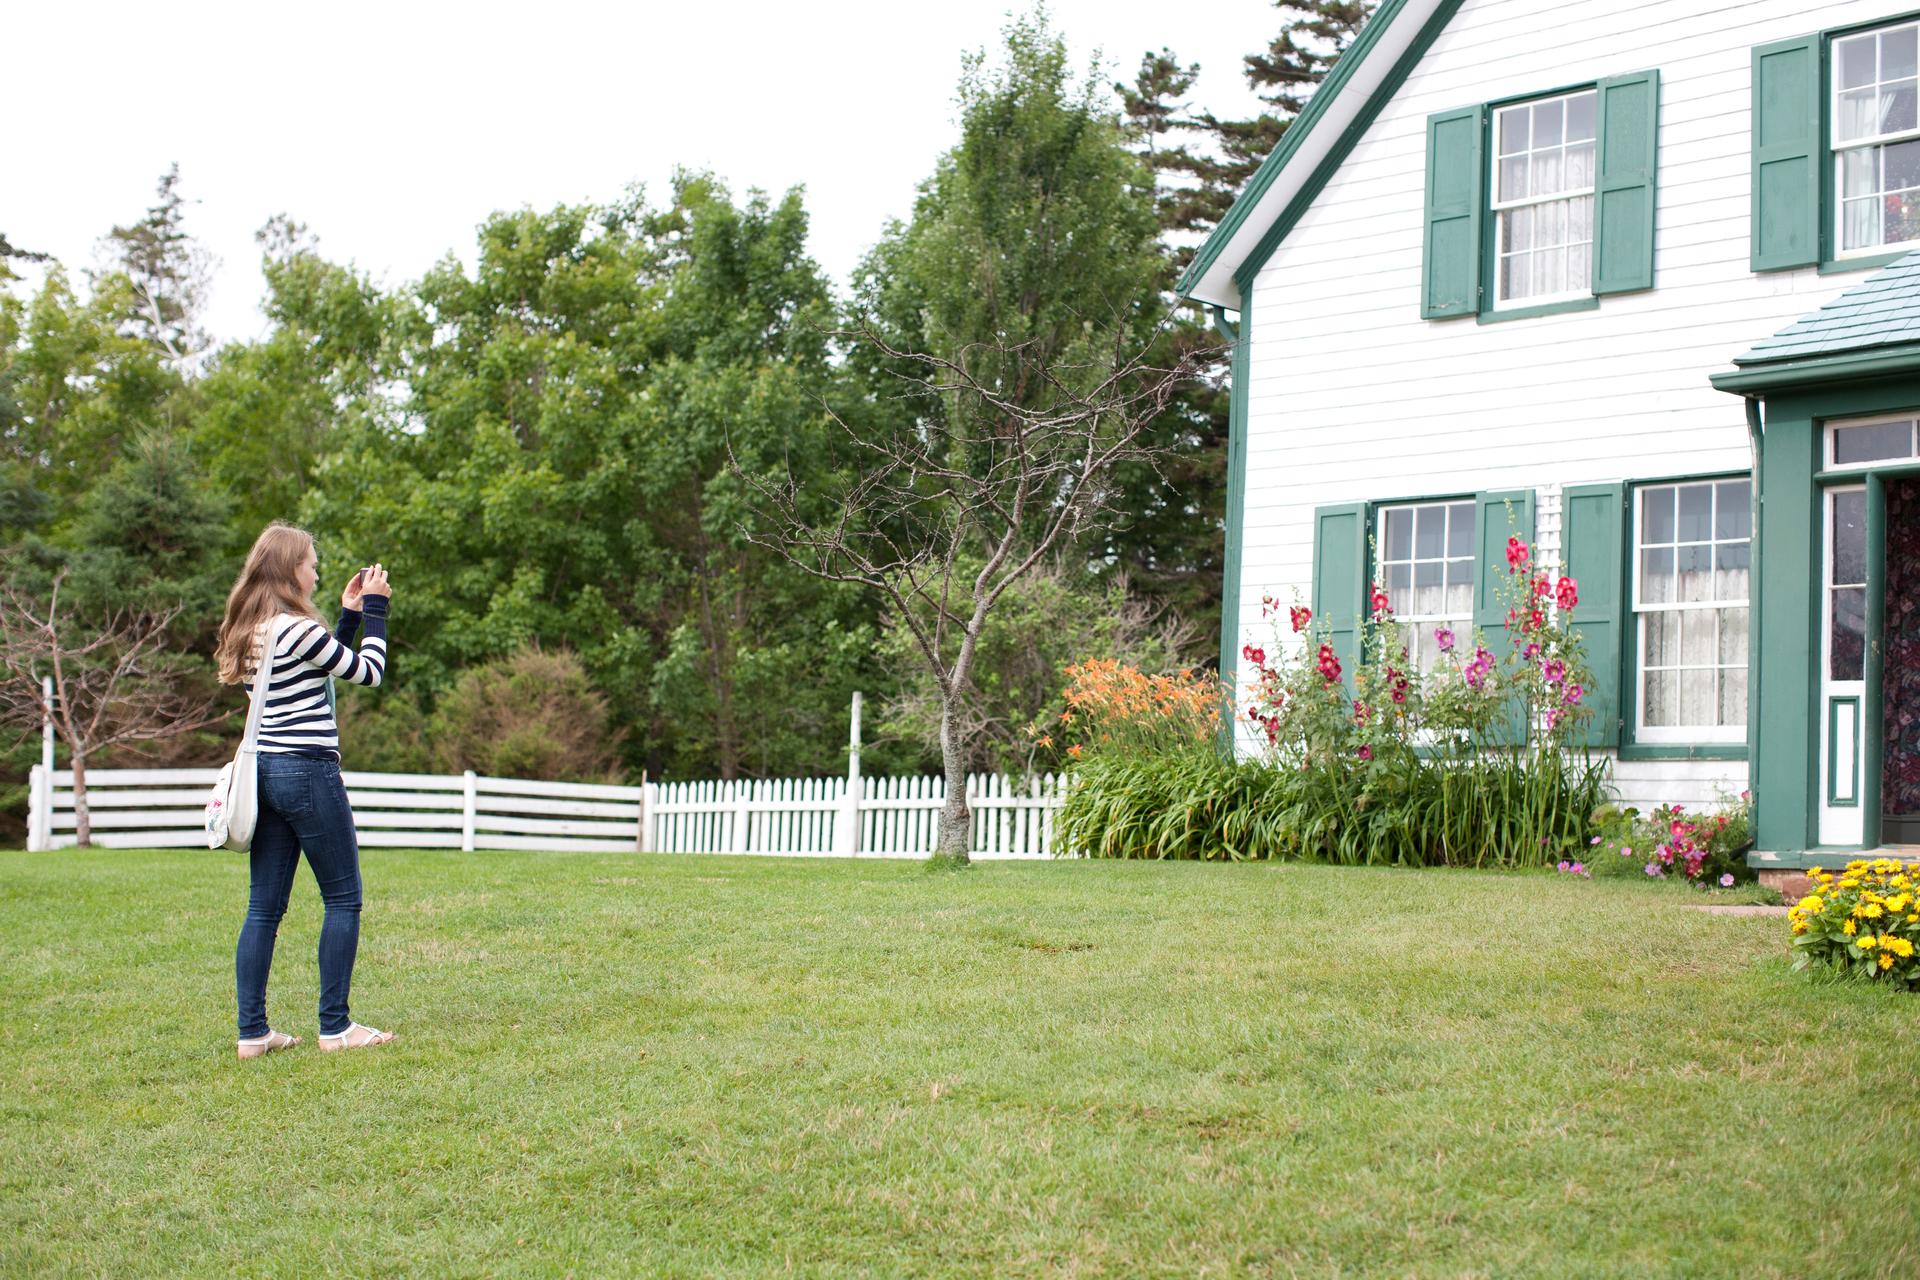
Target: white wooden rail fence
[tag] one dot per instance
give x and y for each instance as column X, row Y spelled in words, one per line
column 847, row 817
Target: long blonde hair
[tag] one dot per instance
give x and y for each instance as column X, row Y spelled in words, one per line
column 269, row 583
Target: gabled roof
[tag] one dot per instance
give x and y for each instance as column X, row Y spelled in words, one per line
column 1313, row 146
column 1872, row 327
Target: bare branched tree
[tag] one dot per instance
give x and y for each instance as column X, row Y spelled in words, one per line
column 112, row 684
column 996, row 461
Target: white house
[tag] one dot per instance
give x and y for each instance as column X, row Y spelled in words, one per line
column 1532, row 256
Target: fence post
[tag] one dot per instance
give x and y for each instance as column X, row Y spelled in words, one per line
column 645, row 835
column 471, row 810
column 846, row 820
column 39, row 800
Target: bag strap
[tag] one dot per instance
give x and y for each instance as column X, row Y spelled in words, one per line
column 262, row 681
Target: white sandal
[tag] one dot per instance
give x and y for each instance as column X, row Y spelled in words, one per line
column 339, row 1040
column 272, row 1042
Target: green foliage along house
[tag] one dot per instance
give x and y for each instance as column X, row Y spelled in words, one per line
column 1628, row 279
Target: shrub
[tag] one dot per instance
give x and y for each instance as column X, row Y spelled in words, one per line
column 384, row 731
column 1187, row 801
column 1864, row 923
column 1701, row 849
column 531, row 715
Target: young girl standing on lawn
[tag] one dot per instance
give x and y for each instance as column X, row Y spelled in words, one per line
column 303, row 803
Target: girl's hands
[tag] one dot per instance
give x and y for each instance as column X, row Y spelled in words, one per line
column 375, row 583
column 350, row 595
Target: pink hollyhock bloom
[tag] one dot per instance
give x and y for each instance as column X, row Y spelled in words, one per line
column 1531, row 652
column 1252, row 654
column 1574, row 694
column 1517, row 553
column 1567, row 594
column 1553, row 671
column 1301, row 616
column 1378, row 599
column 1366, row 752
column 1443, row 637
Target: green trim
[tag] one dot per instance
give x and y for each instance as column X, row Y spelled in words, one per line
column 1850, row 366
column 1679, row 751
column 1873, row 712
column 1829, row 857
column 1840, row 266
column 1336, row 156
column 1242, row 339
column 1756, row 591
column 1833, row 733
column 1544, row 309
column 1291, row 141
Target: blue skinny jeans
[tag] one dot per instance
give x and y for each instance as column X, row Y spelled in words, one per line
column 303, row 807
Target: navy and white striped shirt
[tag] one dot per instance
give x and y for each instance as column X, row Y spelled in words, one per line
column 298, row 717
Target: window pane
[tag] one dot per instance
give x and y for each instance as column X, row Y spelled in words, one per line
column 1847, row 657
column 1549, row 173
column 1656, row 515
column 1696, row 512
column 1400, row 587
column 1549, row 271
column 1662, row 705
column 1699, row 642
column 1580, row 218
column 1519, row 229
column 1513, row 128
column 1733, row 698
column 1896, row 53
column 1580, row 117
column 1549, row 122
column 1856, row 62
column 1656, row 576
column 1696, row 574
column 1869, row 443
column 1733, row 637
column 1579, row 267
column 1848, row 550
column 1516, row 281
column 1733, row 509
column 1731, row 562
column 1697, row 697
column 1430, row 536
column 1857, row 114
column 1513, row 177
column 1858, row 172
column 1399, row 534
column 1428, row 598
column 1459, row 586
column 1902, row 218
column 1896, row 107
column 1662, row 643
column 1902, row 165
column 1860, row 224
column 1460, row 529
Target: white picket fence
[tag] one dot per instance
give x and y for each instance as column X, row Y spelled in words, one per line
column 819, row 817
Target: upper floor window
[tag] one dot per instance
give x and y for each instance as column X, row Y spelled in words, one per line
column 1876, row 138
column 1542, row 199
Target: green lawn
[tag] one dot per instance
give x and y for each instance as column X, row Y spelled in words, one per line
column 685, row 1065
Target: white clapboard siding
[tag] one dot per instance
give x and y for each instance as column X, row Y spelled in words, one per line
column 1353, row 397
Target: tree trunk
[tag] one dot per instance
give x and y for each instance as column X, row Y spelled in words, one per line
column 956, row 819
column 82, row 823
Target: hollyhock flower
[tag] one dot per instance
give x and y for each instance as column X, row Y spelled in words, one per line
column 1531, row 652
column 1253, row 655
column 1553, row 671
column 1378, row 599
column 1726, row 880
column 1566, row 594
column 1443, row 638
column 1553, row 719
column 1535, row 620
column 1366, row 752
column 1542, row 588
column 1517, row 553
column 1328, row 664
column 1574, row 694
column 1301, row 616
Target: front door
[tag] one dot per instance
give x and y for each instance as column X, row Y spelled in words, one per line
column 1843, row 668
column 1900, row 668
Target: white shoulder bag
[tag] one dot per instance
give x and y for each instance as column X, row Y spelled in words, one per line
column 234, row 805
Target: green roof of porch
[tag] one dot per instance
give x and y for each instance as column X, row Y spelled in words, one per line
column 1872, row 328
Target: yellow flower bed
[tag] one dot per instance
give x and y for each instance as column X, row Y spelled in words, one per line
column 1864, row 921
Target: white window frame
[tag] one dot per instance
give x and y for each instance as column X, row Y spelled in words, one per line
column 1830, row 457
column 1462, row 625
column 1496, row 206
column 1686, row 735
column 1839, row 148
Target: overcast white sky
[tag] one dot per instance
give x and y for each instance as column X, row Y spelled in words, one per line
column 392, row 130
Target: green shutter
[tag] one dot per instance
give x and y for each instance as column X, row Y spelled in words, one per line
column 1499, row 516
column 1786, row 154
column 1456, row 192
column 1592, row 532
column 1628, row 147
column 1340, row 580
